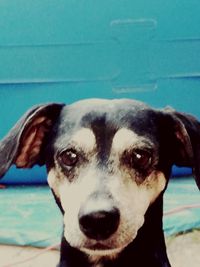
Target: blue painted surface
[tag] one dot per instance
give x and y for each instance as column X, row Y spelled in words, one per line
column 65, row 50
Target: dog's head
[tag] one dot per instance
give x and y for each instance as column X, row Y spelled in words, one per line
column 107, row 162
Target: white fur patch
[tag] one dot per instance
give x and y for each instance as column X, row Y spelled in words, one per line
column 154, row 185
column 125, row 139
column 54, row 181
column 85, row 139
column 73, row 195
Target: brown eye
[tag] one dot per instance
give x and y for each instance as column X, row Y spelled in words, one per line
column 141, row 159
column 69, row 158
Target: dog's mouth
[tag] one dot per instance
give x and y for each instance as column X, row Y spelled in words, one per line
column 99, row 249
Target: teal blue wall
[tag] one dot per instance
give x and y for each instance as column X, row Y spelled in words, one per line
column 64, row 50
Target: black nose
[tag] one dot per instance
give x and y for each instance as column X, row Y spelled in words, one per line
column 99, row 225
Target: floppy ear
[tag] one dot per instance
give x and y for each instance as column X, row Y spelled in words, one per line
column 23, row 145
column 187, row 134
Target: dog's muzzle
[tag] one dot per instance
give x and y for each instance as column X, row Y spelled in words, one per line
column 100, row 222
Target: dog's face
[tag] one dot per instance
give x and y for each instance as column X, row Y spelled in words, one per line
column 103, row 163
column 107, row 162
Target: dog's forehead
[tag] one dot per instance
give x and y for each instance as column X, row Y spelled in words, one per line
column 96, row 111
column 118, row 113
column 105, row 118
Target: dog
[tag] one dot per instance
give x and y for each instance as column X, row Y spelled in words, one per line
column 108, row 164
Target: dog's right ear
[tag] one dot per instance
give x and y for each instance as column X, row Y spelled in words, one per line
column 23, row 145
column 183, row 140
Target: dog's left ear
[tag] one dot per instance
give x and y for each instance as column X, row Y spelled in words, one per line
column 186, row 129
column 24, row 143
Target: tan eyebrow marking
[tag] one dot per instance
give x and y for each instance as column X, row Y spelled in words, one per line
column 125, row 139
column 85, row 139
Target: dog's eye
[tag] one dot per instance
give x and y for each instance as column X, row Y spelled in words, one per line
column 69, row 157
column 140, row 159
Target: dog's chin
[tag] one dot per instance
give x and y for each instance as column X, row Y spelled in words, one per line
column 99, row 250
column 106, row 249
